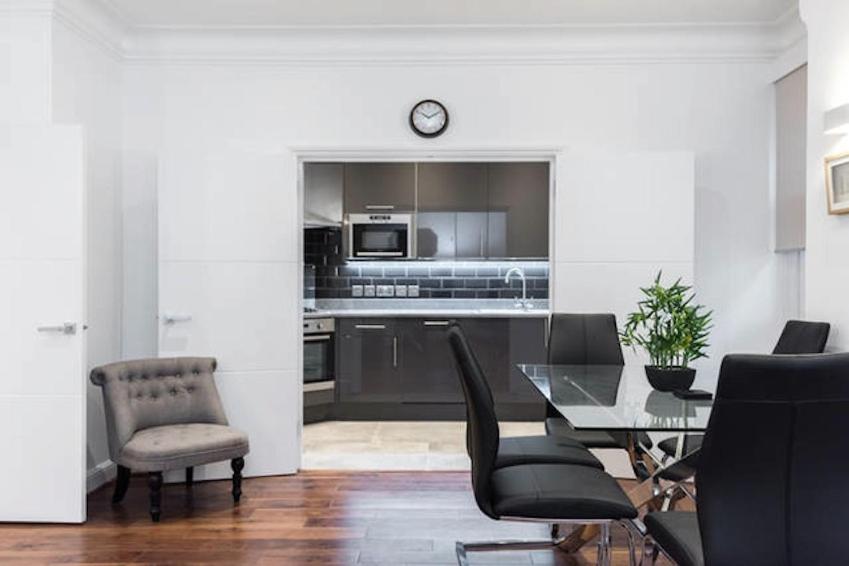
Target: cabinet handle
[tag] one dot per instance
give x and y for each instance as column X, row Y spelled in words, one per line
column 436, row 323
column 395, row 351
column 380, row 207
column 370, row 326
column 481, row 242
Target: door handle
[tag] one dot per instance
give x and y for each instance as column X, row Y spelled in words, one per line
column 395, row 351
column 380, row 207
column 64, row 328
column 370, row 326
column 169, row 318
column 317, row 338
column 436, row 323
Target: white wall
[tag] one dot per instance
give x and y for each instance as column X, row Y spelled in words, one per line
column 719, row 111
column 86, row 90
column 827, row 262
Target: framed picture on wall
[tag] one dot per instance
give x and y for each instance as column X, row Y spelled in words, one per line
column 837, row 183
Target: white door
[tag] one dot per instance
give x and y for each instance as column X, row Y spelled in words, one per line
column 42, row 381
column 229, row 287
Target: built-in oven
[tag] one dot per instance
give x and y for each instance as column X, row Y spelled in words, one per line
column 380, row 235
column 319, row 368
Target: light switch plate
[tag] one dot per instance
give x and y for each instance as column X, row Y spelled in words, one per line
column 368, row 290
column 356, row 290
column 400, row 290
column 412, row 290
column 385, row 290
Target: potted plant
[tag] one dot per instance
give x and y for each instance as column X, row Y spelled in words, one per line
column 672, row 330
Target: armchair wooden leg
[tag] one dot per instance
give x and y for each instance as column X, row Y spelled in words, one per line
column 154, row 482
column 190, row 477
column 237, row 464
column 122, row 482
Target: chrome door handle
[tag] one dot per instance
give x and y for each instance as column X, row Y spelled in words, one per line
column 169, row 318
column 317, row 338
column 64, row 328
column 436, row 323
column 395, row 351
column 370, row 326
column 380, row 207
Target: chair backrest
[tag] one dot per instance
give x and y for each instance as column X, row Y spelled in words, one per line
column 802, row 337
column 773, row 466
column 483, row 435
column 579, row 339
column 140, row 394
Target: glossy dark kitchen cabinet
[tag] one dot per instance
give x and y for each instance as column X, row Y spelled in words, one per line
column 409, row 361
column 379, row 187
column 518, row 208
column 428, row 374
column 369, row 358
column 452, row 210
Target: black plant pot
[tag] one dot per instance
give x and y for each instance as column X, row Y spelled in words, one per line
column 670, row 379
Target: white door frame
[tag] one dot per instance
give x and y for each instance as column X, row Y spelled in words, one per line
column 550, row 153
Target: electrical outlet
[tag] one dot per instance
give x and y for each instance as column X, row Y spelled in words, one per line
column 412, row 290
column 385, row 290
column 400, row 290
column 356, row 290
column 368, row 291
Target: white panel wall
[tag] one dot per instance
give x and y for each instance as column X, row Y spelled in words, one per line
column 229, row 259
column 719, row 112
column 621, row 217
column 86, row 90
column 827, row 268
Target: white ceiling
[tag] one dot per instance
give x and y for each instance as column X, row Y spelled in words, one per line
column 204, row 13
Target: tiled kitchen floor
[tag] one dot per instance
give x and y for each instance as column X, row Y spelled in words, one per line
column 394, row 445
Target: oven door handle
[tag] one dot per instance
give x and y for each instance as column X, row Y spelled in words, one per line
column 317, row 337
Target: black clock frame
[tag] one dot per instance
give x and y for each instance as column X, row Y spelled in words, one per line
column 438, row 132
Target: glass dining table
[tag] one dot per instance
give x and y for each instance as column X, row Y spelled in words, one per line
column 620, row 399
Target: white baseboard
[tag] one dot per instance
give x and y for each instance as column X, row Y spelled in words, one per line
column 101, row 474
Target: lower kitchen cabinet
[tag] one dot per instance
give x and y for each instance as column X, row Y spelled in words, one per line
column 404, row 367
column 428, row 374
column 368, row 360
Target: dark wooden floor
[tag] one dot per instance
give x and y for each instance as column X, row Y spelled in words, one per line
column 385, row 518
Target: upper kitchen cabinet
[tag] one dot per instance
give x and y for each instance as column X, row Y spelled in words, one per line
column 518, row 201
column 380, row 187
column 452, row 187
column 452, row 210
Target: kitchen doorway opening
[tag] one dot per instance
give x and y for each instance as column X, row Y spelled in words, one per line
column 395, row 247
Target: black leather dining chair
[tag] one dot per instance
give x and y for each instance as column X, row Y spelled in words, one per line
column 772, row 472
column 541, row 492
column 797, row 337
column 585, row 339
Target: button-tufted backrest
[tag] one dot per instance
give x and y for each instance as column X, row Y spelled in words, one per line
column 140, row 394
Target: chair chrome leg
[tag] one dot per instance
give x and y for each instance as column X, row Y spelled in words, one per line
column 604, row 545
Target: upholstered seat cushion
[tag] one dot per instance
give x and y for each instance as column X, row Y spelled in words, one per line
column 692, row 442
column 173, row 447
column 558, row 426
column 552, row 491
column 677, row 532
column 544, row 450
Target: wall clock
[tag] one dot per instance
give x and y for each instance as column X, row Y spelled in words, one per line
column 429, row 118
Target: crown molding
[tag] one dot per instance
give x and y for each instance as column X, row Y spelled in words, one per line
column 95, row 22
column 100, row 22
column 443, row 45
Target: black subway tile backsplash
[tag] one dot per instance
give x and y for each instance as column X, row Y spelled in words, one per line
column 334, row 276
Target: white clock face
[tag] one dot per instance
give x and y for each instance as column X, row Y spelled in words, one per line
column 429, row 118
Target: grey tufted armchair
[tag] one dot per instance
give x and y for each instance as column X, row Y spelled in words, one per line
column 165, row 414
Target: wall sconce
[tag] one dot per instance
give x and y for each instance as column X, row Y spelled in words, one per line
column 837, row 120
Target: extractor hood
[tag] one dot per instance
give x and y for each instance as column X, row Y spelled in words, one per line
column 323, row 193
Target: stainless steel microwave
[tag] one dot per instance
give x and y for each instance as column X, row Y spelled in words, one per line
column 380, row 235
